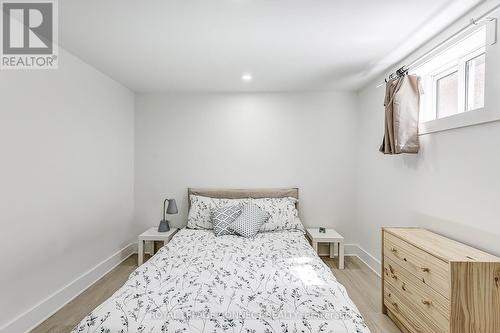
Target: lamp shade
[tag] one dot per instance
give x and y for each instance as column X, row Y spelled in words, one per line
column 172, row 207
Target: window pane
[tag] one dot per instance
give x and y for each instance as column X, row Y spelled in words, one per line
column 447, row 95
column 475, row 82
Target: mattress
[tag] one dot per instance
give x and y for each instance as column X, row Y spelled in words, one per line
column 198, row 282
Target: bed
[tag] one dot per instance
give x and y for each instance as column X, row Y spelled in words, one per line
column 198, row 282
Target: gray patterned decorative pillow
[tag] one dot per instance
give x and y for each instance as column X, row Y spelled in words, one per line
column 250, row 221
column 223, row 217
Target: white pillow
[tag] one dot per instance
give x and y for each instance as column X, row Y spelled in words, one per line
column 199, row 213
column 282, row 211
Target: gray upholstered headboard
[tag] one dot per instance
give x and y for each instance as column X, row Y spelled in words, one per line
column 244, row 193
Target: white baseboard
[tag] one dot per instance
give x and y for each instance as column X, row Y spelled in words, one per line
column 358, row 251
column 33, row 317
column 370, row 261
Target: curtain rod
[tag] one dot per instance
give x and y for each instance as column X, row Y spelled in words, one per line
column 473, row 22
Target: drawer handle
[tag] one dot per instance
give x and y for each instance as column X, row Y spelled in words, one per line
column 403, row 287
column 394, row 250
column 425, row 269
column 394, row 276
column 426, row 302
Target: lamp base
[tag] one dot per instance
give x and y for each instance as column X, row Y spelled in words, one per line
column 163, row 227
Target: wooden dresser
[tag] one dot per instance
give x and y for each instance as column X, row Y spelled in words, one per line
column 433, row 284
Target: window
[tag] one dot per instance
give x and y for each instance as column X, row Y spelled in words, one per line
column 475, row 69
column 446, row 93
column 453, row 79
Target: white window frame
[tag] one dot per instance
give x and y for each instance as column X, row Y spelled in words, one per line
column 473, row 55
column 438, row 75
column 460, row 67
column 471, row 117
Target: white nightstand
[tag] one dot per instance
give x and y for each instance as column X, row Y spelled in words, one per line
column 152, row 235
column 330, row 236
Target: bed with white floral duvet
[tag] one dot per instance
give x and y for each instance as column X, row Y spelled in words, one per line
column 198, row 282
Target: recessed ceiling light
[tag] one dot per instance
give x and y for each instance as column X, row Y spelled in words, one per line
column 246, row 77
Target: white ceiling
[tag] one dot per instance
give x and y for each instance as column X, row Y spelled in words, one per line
column 287, row 45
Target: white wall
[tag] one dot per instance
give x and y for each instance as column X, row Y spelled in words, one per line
column 247, row 140
column 66, row 175
column 452, row 186
column 67, row 168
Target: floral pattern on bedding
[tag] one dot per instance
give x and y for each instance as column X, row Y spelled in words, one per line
column 283, row 212
column 199, row 216
column 198, row 282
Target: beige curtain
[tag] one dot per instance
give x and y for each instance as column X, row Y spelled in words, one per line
column 402, row 104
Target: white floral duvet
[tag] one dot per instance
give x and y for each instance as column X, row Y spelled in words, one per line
column 203, row 283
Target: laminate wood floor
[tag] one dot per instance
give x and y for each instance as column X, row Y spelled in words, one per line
column 364, row 288
column 361, row 283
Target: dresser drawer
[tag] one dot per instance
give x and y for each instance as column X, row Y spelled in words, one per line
column 407, row 313
column 430, row 303
column 431, row 270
